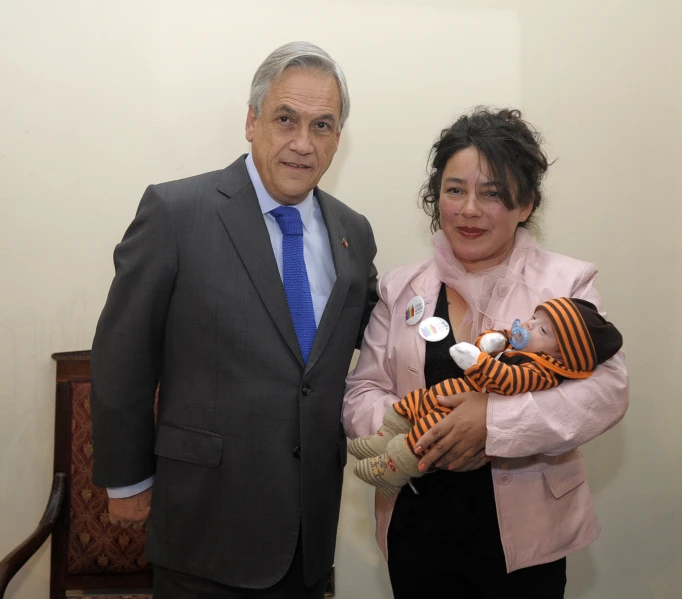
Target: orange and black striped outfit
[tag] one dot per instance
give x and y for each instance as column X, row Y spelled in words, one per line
column 584, row 337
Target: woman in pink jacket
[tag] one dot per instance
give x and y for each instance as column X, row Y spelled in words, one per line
column 508, row 500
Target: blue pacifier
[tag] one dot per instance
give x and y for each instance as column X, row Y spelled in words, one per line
column 519, row 337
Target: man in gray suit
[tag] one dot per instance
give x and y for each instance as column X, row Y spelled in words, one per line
column 241, row 293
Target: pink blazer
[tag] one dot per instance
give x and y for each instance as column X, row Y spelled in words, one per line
column 543, row 502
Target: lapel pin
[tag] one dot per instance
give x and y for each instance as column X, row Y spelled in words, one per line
column 434, row 329
column 415, row 310
column 344, row 243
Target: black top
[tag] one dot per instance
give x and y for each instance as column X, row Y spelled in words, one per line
column 458, row 508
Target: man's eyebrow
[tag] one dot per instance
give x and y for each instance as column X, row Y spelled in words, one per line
column 327, row 116
column 286, row 108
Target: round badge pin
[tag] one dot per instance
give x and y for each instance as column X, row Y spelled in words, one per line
column 415, row 310
column 434, row 329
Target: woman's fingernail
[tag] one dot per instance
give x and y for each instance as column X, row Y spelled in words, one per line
column 437, row 464
column 418, row 448
column 422, row 467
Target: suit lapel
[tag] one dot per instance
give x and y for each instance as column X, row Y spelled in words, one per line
column 242, row 217
column 337, row 235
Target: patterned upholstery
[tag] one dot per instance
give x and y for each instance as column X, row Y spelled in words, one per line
column 94, row 544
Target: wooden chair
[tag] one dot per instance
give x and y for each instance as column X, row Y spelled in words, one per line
column 89, row 556
column 11, row 564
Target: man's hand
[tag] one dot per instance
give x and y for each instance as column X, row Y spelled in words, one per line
column 458, row 441
column 131, row 512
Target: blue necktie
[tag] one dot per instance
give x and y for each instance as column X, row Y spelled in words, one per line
column 295, row 277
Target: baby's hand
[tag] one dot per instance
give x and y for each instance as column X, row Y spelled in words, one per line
column 465, row 354
column 492, row 343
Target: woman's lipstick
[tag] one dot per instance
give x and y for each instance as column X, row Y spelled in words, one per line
column 470, row 232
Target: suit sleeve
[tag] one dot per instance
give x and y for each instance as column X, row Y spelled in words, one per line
column 560, row 419
column 127, row 348
column 372, row 296
column 370, row 388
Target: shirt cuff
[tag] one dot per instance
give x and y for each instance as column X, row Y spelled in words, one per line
column 130, row 490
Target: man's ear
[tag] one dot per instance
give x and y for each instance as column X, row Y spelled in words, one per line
column 250, row 123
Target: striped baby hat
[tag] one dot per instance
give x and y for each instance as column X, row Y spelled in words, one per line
column 585, row 337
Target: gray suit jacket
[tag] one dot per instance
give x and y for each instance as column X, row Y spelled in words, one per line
column 248, row 447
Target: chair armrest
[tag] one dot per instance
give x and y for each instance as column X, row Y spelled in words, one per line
column 11, row 564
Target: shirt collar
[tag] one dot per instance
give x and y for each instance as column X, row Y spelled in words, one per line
column 267, row 204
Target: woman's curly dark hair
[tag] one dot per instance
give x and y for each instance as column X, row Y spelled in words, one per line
column 511, row 148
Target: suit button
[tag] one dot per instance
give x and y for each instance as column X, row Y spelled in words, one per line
column 297, row 453
column 306, row 390
column 488, row 323
column 504, row 479
column 503, row 290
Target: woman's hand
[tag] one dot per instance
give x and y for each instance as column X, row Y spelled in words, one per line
column 458, row 441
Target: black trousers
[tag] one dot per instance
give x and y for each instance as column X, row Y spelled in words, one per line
column 478, row 581
column 442, row 575
column 170, row 584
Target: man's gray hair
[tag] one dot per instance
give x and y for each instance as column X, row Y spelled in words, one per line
column 297, row 54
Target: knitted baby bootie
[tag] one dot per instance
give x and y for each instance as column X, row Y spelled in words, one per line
column 374, row 445
column 390, row 471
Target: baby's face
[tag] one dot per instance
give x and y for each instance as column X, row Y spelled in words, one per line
column 542, row 337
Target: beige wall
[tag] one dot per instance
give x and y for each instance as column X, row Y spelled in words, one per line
column 98, row 99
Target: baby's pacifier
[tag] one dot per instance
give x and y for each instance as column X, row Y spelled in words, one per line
column 519, row 337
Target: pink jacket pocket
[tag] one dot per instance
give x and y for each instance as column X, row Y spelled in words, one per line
column 565, row 475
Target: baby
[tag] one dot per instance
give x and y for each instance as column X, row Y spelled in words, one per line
column 565, row 339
